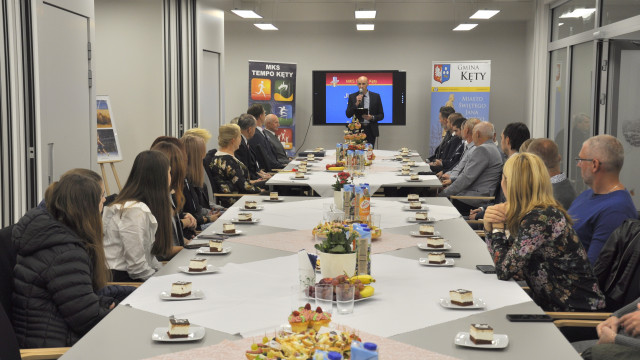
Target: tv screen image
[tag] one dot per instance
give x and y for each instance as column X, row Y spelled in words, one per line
column 331, row 91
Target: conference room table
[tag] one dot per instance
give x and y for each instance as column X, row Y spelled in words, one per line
column 251, row 294
column 384, row 172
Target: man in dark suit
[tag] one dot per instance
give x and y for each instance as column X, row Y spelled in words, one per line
column 368, row 100
column 271, row 125
column 259, row 140
column 245, row 154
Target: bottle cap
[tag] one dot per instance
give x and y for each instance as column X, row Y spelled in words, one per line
column 334, row 355
column 370, row 346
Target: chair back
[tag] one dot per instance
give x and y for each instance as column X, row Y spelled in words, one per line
column 262, row 158
column 7, row 263
column 9, row 349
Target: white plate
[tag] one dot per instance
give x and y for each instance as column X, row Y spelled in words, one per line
column 425, row 262
column 295, row 178
column 253, row 221
column 412, row 219
column 335, row 171
column 477, row 304
column 160, row 334
column 401, row 174
column 417, row 234
column 408, row 208
column 500, row 341
column 210, row 270
column 258, row 208
column 423, row 246
column 410, row 180
column 206, row 251
column 269, row 200
column 407, row 201
column 195, row 295
column 238, row 232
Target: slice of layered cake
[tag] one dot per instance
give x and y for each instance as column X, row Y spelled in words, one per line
column 273, row 196
column 481, row 334
column 413, row 197
column 244, row 216
column 436, row 258
column 415, row 205
column 461, row 297
column 178, row 328
column 228, row 228
column 197, row 265
column 181, row 289
column 422, row 215
column 215, row 245
column 435, row 242
column 426, row 229
column 250, row 204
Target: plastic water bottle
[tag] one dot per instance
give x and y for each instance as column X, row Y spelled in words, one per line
column 366, row 351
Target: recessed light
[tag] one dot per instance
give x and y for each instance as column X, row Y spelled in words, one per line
column 247, row 14
column 365, row 14
column 364, row 27
column 465, row 27
column 484, row 14
column 578, row 13
column 266, row 26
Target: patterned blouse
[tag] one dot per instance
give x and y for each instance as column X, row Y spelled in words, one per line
column 231, row 176
column 551, row 259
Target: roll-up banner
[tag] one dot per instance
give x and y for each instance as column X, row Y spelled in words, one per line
column 463, row 85
column 273, row 85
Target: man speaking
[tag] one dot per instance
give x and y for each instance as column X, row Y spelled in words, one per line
column 374, row 113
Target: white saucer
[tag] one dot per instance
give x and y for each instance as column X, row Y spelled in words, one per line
column 410, row 180
column 417, row 234
column 160, row 334
column 412, row 219
column 423, row 246
column 269, row 200
column 408, row 208
column 206, row 251
column 425, row 262
column 258, row 208
column 295, row 178
column 210, row 270
column 500, row 341
column 407, row 201
column 253, row 221
column 477, row 304
column 238, row 232
column 401, row 174
column 195, row 295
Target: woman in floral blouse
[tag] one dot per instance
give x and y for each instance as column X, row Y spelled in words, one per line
column 543, row 247
column 231, row 176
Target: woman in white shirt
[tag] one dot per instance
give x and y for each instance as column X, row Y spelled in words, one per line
column 137, row 225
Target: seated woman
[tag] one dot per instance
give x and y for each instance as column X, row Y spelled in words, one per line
column 543, row 246
column 194, row 192
column 231, row 176
column 137, row 225
column 60, row 266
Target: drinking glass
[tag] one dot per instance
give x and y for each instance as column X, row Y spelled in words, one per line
column 344, row 298
column 324, row 297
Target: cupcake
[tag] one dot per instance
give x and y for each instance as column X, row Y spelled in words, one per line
column 298, row 322
column 320, row 319
column 307, row 313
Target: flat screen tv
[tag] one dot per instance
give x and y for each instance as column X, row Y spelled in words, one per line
column 331, row 91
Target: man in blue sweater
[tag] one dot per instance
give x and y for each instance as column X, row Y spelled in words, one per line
column 599, row 210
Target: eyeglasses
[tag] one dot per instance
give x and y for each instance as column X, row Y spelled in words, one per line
column 581, row 159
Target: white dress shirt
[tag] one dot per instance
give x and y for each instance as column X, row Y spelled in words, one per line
column 129, row 234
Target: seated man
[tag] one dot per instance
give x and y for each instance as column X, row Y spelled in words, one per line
column 271, row 125
column 618, row 335
column 454, row 148
column 268, row 161
column 547, row 150
column 245, row 153
column 603, row 207
column 445, row 111
column 481, row 174
column 467, row 135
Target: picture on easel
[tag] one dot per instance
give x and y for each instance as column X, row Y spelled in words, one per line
column 108, row 144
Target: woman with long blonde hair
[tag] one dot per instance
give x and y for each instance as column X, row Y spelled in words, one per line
column 542, row 246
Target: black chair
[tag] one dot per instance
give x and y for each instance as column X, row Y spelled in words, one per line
column 7, row 263
column 9, row 349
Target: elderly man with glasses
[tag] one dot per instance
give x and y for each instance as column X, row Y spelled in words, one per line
column 603, row 207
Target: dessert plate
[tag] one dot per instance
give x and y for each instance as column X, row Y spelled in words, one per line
column 407, row 201
column 160, row 334
column 195, row 295
column 401, row 174
column 206, row 251
column 411, row 180
column 417, row 234
column 238, row 232
column 252, row 221
column 500, row 341
column 295, row 178
column 270, row 200
column 210, row 270
column 412, row 219
column 258, row 208
column 408, row 208
column 423, row 246
column 477, row 304
column 425, row 262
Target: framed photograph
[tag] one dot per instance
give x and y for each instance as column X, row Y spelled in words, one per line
column 108, row 143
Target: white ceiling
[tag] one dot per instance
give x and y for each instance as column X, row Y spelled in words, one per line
column 387, row 10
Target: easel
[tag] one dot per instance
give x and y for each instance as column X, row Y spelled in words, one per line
column 115, row 175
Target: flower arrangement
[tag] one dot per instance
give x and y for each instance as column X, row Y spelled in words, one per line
column 342, row 178
column 338, row 240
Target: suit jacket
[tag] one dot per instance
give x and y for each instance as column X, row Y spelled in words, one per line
column 375, row 109
column 437, row 154
column 453, row 153
column 269, row 154
column 248, row 158
column 281, row 154
column 480, row 175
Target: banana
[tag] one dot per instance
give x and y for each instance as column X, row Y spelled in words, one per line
column 365, row 279
column 336, row 168
column 367, row 291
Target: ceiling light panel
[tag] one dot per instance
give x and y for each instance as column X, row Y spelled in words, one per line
column 484, row 14
column 465, row 27
column 247, row 14
column 266, row 26
column 365, row 14
column 365, row 27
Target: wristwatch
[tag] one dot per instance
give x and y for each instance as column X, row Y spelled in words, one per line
column 494, row 231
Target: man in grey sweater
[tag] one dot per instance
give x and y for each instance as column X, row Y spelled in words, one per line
column 547, row 150
column 618, row 335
